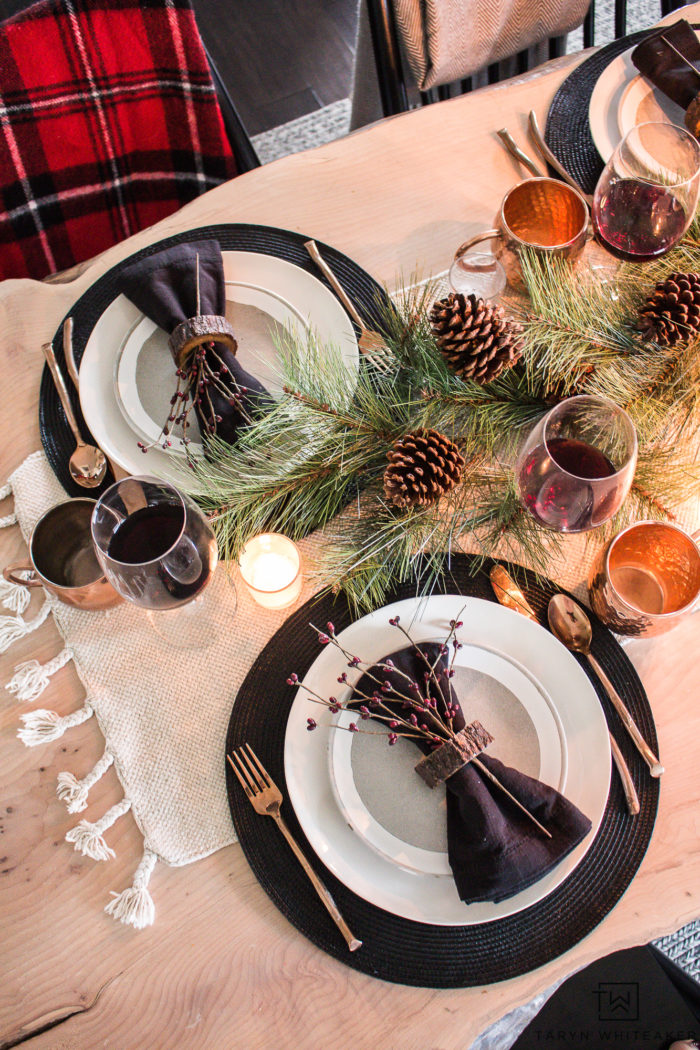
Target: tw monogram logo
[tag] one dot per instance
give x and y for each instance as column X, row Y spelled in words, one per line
column 617, row 1001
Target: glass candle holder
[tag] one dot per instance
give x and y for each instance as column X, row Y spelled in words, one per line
column 270, row 565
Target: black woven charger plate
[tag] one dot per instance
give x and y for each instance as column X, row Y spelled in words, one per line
column 397, row 949
column 568, row 133
column 56, row 436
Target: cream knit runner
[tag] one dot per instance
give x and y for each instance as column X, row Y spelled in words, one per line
column 163, row 720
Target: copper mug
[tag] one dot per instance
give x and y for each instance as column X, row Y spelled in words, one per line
column 62, row 558
column 646, row 579
column 543, row 214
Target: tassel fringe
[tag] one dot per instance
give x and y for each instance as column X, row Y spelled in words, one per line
column 9, row 519
column 13, row 596
column 42, row 726
column 14, row 627
column 31, row 678
column 134, row 906
column 74, row 792
column 88, row 841
column 88, row 838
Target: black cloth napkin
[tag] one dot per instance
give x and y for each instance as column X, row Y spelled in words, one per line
column 494, row 850
column 164, row 287
column 661, row 65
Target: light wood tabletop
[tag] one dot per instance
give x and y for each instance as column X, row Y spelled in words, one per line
column 221, row 967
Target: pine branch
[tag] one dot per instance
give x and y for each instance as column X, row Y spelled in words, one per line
column 325, row 443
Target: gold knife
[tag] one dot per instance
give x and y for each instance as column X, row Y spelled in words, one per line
column 510, row 595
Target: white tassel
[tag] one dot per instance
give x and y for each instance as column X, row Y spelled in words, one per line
column 14, row 627
column 74, row 792
column 41, row 726
column 87, row 838
column 14, row 596
column 88, row 841
column 9, row 519
column 134, row 906
column 71, row 791
column 31, row 678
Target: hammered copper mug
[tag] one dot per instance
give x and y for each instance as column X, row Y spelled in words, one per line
column 62, row 558
column 647, row 579
column 541, row 214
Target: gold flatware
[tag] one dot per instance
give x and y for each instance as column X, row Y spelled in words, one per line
column 68, row 351
column 511, row 596
column 88, row 464
column 515, row 151
column 266, row 799
column 547, row 155
column 370, row 343
column 572, row 627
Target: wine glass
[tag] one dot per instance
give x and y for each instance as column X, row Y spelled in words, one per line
column 158, row 550
column 577, row 465
column 648, row 192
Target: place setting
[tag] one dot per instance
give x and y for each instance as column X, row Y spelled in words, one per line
column 619, row 87
column 118, row 355
column 431, row 901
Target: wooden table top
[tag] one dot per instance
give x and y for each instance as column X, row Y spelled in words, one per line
column 221, row 967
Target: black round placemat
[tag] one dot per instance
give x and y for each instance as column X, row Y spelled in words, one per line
column 568, row 132
column 397, row 949
column 56, row 436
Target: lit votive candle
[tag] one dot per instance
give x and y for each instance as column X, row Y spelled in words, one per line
column 271, row 569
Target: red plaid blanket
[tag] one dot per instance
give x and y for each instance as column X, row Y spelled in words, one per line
column 108, row 122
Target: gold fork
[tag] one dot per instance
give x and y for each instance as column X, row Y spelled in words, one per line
column 266, row 798
column 371, row 344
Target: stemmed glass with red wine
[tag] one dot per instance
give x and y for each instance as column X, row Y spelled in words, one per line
column 157, row 549
column 577, row 465
column 647, row 195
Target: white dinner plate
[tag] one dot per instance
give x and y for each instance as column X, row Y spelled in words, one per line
column 256, row 315
column 643, row 103
column 370, row 791
column 607, row 96
column 313, row 302
column 551, row 726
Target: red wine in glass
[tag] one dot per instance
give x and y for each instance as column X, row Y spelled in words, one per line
column 171, row 564
column 638, row 221
column 554, row 482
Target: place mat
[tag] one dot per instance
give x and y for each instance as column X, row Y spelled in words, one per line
column 394, row 948
column 56, row 437
column 568, row 132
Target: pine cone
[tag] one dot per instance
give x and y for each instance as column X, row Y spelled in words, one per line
column 671, row 313
column 475, row 337
column 423, row 466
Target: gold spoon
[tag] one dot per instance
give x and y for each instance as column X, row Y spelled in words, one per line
column 572, row 627
column 87, row 465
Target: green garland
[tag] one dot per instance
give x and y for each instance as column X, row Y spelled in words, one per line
column 317, row 459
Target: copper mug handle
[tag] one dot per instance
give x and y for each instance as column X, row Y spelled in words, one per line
column 487, row 235
column 9, row 572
